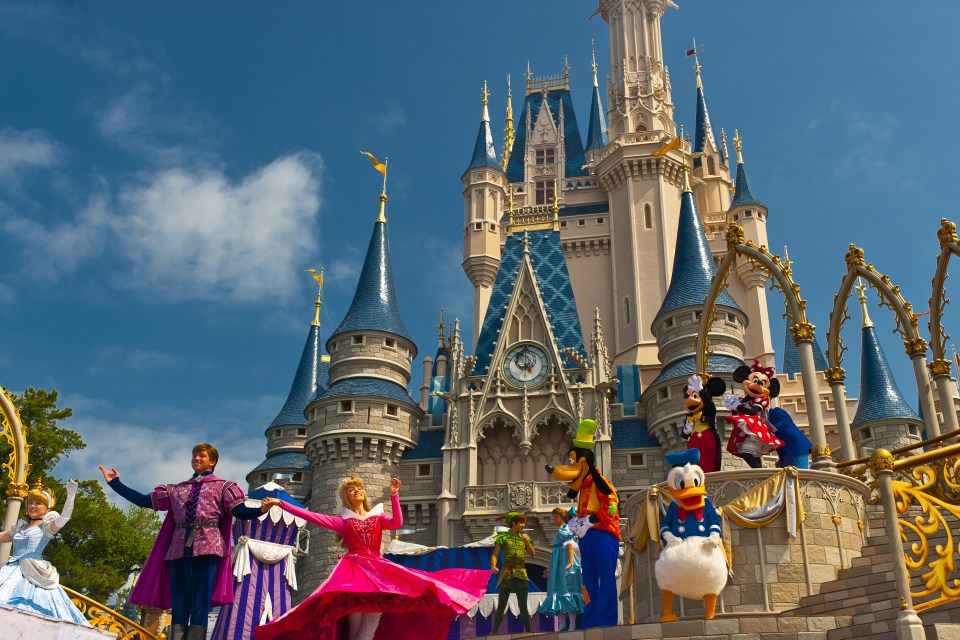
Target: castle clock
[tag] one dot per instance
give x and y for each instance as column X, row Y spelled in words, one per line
column 525, row 365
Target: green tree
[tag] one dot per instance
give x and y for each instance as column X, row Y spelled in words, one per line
column 102, row 544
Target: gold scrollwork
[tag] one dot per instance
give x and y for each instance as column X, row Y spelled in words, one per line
column 17, row 490
column 854, row 257
column 921, row 492
column 836, row 518
column 939, row 368
column 101, row 617
column 802, row 332
column 947, row 233
column 820, row 451
column 915, row 347
column 835, row 375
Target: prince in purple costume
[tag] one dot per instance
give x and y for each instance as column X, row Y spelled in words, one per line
column 188, row 569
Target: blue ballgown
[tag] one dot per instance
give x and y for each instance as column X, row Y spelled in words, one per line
column 17, row 591
column 564, row 586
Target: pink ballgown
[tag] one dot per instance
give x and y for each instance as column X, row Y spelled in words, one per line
column 416, row 605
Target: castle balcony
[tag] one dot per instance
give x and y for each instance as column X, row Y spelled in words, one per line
column 771, row 568
column 485, row 503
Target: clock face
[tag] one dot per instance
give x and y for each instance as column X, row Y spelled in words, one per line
column 525, row 365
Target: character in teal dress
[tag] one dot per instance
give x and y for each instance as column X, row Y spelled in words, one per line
column 564, row 583
column 26, row 580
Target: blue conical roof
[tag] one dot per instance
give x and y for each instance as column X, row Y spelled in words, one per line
column 791, row 357
column 880, row 398
column 311, row 377
column 693, row 267
column 484, row 153
column 597, row 131
column 374, row 305
column 743, row 196
column 704, row 130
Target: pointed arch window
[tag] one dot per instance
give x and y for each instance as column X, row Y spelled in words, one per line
column 626, row 310
column 647, row 216
column 711, row 167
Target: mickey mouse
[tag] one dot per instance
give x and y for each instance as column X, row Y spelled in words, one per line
column 700, row 428
column 752, row 435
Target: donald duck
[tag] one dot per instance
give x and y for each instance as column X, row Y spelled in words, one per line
column 691, row 563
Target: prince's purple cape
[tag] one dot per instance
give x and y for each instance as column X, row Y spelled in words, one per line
column 153, row 586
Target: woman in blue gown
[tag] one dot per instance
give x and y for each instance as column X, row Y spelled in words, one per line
column 27, row 581
column 564, row 582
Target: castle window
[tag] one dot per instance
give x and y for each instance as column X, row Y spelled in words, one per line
column 357, row 339
column 545, row 156
column 478, row 226
column 626, row 311
column 599, row 220
column 711, row 168
column 390, row 343
column 748, row 214
column 647, row 217
column 493, row 226
column 581, row 223
column 301, row 432
column 544, row 191
column 392, row 410
column 563, row 224
column 423, row 470
column 263, row 477
column 298, row 476
column 913, row 429
column 663, row 394
column 346, row 406
column 638, row 460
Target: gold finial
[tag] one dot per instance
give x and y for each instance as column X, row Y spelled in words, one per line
column 529, row 76
column 862, row 297
column 738, row 145
column 566, row 69
column 686, row 176
column 441, row 327
column 486, row 95
column 319, row 278
column 786, row 259
column 556, row 200
column 593, row 58
column 508, row 130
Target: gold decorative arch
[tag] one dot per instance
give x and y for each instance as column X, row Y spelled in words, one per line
column 906, row 327
column 940, row 365
column 16, row 466
column 794, row 310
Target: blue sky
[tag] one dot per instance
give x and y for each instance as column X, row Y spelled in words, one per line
column 168, row 170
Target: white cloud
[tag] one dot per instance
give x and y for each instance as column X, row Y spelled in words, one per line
column 7, row 295
column 21, row 151
column 196, row 235
column 391, row 119
column 113, row 357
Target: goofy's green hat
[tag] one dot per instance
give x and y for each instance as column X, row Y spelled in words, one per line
column 585, row 433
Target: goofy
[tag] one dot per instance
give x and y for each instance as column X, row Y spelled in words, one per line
column 600, row 538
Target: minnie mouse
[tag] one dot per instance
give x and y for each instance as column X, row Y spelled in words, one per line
column 751, row 435
column 700, row 429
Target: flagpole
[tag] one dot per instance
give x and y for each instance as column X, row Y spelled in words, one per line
column 383, row 194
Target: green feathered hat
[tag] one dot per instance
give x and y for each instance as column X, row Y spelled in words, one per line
column 585, row 432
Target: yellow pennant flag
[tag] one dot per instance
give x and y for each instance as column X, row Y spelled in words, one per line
column 673, row 144
column 379, row 166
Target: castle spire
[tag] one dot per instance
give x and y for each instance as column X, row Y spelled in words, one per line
column 743, row 193
column 508, row 129
column 441, row 337
column 597, row 131
column 484, row 153
column 693, row 267
column 704, row 130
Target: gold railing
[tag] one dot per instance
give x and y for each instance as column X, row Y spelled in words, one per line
column 102, row 617
column 923, row 547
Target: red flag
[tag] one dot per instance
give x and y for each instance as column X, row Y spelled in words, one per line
column 691, row 52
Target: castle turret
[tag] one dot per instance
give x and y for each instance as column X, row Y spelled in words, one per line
column 883, row 418
column 711, row 176
column 751, row 214
column 484, row 187
column 286, row 462
column 676, row 324
column 363, row 422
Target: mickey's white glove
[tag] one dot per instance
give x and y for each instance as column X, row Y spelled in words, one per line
column 687, row 428
column 731, row 401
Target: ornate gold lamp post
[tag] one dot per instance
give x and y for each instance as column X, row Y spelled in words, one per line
column 16, row 465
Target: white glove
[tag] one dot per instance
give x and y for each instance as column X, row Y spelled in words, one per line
column 731, row 401
column 580, row 526
column 671, row 539
column 687, row 428
column 64, row 517
column 712, row 542
column 742, row 425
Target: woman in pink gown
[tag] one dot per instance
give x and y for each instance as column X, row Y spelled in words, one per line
column 367, row 597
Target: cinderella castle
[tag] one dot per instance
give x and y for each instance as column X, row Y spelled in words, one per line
column 590, row 257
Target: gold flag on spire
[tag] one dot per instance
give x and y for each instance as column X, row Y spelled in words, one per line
column 673, row 144
column 379, row 166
